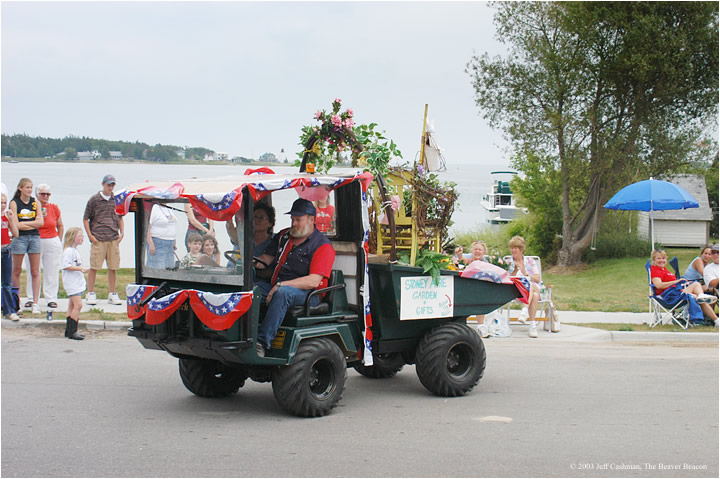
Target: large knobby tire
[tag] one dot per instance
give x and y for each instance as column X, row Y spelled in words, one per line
column 314, row 383
column 450, row 360
column 211, row 379
column 384, row 366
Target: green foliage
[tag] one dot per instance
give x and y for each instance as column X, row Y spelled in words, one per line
column 24, row 146
column 378, row 150
column 70, row 153
column 711, row 181
column 338, row 136
column 617, row 244
column 591, row 100
column 496, row 239
column 432, row 263
column 326, row 142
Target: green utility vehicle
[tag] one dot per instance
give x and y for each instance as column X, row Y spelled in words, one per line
column 376, row 316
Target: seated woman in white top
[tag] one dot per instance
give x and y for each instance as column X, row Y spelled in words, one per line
column 696, row 268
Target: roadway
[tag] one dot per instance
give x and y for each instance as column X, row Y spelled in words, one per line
column 582, row 407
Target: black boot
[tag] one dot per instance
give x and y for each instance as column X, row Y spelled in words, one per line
column 72, row 332
column 67, row 326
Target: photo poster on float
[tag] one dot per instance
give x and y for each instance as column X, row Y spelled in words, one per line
column 420, row 298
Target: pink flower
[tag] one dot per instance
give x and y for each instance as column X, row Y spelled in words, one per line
column 349, row 123
column 336, row 120
column 395, row 202
column 338, row 100
column 318, row 114
column 350, row 112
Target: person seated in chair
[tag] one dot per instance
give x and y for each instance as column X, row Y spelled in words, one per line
column 304, row 260
column 712, row 272
column 696, row 268
column 522, row 266
column 667, row 286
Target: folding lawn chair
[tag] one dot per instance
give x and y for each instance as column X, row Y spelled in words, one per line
column 546, row 310
column 661, row 312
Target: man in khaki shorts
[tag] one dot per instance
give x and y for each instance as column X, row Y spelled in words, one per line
column 105, row 230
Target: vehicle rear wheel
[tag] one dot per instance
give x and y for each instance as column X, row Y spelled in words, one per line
column 384, row 365
column 450, row 360
column 314, row 383
column 211, row 379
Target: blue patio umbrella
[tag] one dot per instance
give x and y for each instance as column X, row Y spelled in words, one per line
column 652, row 195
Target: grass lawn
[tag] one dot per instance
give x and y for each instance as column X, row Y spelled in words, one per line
column 612, row 285
column 608, row 285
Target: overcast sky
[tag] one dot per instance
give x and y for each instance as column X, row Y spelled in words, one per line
column 244, row 77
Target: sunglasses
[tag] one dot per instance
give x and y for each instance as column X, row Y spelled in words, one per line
column 44, row 194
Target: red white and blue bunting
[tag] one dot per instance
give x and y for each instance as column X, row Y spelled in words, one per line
column 367, row 357
column 222, row 205
column 216, row 311
column 135, row 294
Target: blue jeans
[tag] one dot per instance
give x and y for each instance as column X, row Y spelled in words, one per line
column 8, row 303
column 164, row 256
column 284, row 297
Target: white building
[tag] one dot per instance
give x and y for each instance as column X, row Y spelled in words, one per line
column 88, row 155
column 684, row 228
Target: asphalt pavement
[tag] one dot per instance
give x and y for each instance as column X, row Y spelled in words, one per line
column 568, row 333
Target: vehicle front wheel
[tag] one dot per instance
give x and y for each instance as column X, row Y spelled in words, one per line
column 450, row 360
column 384, row 365
column 211, row 379
column 314, row 383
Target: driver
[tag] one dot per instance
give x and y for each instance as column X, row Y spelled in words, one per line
column 304, row 262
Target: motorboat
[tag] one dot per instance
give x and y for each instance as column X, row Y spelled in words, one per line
column 499, row 202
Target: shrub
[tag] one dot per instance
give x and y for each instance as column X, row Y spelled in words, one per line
column 618, row 244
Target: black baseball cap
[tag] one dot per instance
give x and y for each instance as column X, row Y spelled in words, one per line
column 301, row 207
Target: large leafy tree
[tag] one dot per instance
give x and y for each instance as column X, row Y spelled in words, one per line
column 594, row 95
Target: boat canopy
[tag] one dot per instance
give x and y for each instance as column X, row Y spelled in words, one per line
column 220, row 198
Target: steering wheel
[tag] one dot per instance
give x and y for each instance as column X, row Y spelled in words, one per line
column 258, row 260
column 230, row 255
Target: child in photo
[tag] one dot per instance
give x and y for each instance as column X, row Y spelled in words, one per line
column 73, row 277
column 210, row 248
column 194, row 246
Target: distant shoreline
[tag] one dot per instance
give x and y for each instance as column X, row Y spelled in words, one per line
column 144, row 162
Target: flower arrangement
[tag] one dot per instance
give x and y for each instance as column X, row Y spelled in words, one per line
column 325, row 143
column 337, row 137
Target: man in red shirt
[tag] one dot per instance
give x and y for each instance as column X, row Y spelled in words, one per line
column 304, row 262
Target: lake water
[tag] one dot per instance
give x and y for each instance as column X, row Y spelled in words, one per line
column 72, row 184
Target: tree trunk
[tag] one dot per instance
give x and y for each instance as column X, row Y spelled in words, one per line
column 578, row 237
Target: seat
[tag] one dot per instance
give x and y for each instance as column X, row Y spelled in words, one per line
column 334, row 302
column 661, row 312
column 546, row 309
column 397, row 183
